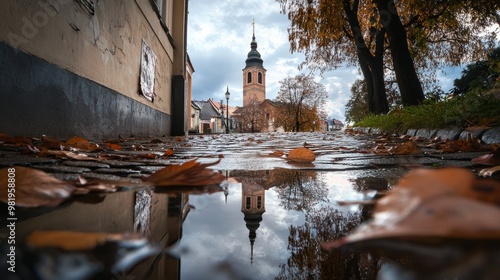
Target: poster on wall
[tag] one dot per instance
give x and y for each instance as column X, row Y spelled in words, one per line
column 148, row 64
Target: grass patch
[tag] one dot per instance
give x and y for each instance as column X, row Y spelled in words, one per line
column 462, row 111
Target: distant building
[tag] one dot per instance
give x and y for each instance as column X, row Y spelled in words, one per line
column 336, row 124
column 209, row 117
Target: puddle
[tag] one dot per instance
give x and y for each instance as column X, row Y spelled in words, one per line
column 228, row 236
column 261, row 226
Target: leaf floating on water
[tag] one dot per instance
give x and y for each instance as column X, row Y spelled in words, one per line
column 51, row 143
column 407, row 148
column 33, row 187
column 191, row 173
column 113, row 146
column 430, row 205
column 301, row 155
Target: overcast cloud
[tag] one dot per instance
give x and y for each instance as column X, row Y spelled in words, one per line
column 219, row 36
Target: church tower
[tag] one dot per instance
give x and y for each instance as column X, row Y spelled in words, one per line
column 254, row 75
column 252, row 206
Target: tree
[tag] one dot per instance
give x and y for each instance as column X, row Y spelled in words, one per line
column 251, row 117
column 301, row 102
column 407, row 38
column 357, row 107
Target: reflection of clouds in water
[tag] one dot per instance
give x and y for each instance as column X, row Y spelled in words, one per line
column 217, row 233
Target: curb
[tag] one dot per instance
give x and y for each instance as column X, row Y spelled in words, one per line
column 487, row 135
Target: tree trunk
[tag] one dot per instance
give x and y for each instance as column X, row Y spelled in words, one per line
column 404, row 68
column 371, row 66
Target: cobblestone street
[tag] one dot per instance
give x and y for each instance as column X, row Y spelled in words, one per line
column 241, row 230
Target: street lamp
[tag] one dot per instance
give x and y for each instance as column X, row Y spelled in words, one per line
column 227, row 110
column 222, row 115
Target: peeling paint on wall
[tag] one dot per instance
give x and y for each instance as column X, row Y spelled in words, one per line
column 148, row 63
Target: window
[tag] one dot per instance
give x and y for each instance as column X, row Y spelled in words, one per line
column 260, row 78
column 249, row 78
column 267, row 117
column 259, row 202
column 248, row 200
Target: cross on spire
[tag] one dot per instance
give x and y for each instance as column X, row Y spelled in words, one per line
column 253, row 29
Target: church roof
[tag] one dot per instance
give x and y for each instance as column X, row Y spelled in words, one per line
column 253, row 57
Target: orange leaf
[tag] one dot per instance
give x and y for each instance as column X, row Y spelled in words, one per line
column 113, row 146
column 32, row 187
column 79, row 143
column 51, row 143
column 301, row 155
column 191, row 173
column 407, row 148
column 169, row 152
column 432, row 204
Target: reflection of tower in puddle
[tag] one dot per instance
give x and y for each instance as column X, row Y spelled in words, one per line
column 252, row 206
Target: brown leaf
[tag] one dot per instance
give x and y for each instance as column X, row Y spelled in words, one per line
column 68, row 154
column 79, row 143
column 278, row 153
column 301, row 155
column 191, row 173
column 69, row 240
column 433, row 204
column 488, row 159
column 169, row 152
column 407, row 148
column 17, row 140
column 32, row 187
column 51, row 143
column 113, row 146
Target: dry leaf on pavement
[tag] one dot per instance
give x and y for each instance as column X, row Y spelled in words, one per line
column 191, row 173
column 301, row 155
column 33, row 187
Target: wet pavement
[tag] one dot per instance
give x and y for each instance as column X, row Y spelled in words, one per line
column 264, row 223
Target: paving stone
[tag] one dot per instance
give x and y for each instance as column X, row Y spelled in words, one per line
column 411, row 132
column 473, row 132
column 117, row 171
column 121, row 163
column 149, row 169
column 66, row 176
column 449, row 133
column 25, row 161
column 89, row 164
column 426, row 133
column 63, row 169
column 492, row 136
column 101, row 176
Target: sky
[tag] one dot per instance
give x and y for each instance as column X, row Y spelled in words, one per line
column 219, row 36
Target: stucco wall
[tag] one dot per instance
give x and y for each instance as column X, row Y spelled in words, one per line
column 104, row 47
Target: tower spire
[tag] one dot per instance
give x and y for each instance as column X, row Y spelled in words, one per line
column 253, row 29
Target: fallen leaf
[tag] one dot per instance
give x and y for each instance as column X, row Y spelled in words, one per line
column 155, row 141
column 79, row 143
column 17, row 140
column 301, row 155
column 69, row 240
column 68, row 154
column 428, row 205
column 32, row 187
column 407, row 148
column 488, row 159
column 191, row 173
column 278, row 153
column 169, row 152
column 113, row 146
column 51, row 143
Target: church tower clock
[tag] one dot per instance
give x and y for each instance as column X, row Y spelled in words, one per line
column 254, row 75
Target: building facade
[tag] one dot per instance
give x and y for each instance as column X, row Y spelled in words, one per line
column 254, row 75
column 93, row 68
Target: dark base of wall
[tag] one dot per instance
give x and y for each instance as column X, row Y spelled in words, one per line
column 38, row 98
